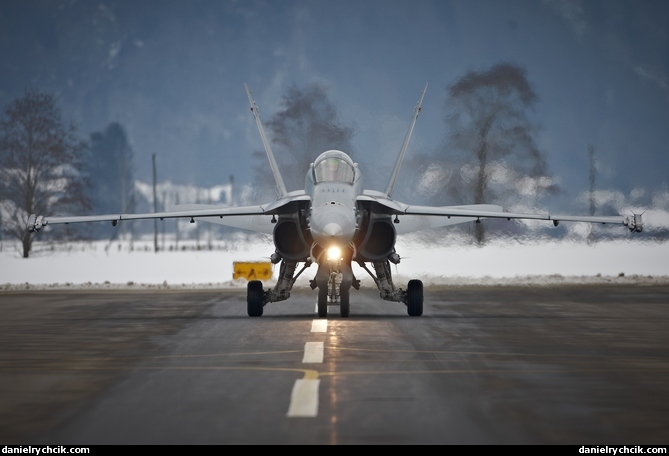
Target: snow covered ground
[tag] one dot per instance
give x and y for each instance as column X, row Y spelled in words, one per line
column 92, row 265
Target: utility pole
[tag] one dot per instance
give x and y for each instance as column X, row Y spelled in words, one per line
column 124, row 203
column 162, row 225
column 176, row 224
column 155, row 207
column 593, row 174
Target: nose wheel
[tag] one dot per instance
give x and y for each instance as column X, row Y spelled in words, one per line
column 322, row 302
column 334, row 295
column 344, row 305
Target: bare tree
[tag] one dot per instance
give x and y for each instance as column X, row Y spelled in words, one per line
column 308, row 125
column 492, row 140
column 40, row 164
column 109, row 164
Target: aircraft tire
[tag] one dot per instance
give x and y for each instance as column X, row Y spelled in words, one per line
column 344, row 303
column 322, row 302
column 415, row 298
column 254, row 298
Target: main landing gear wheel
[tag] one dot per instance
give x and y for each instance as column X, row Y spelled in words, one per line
column 344, row 303
column 254, row 298
column 415, row 298
column 322, row 302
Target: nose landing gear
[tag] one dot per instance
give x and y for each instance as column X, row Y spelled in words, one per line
column 334, row 295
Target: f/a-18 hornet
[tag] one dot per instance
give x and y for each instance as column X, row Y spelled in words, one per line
column 333, row 222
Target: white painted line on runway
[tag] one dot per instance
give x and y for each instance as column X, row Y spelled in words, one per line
column 313, row 352
column 304, row 399
column 319, row 326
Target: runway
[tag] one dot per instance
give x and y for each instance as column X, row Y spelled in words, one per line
column 559, row 364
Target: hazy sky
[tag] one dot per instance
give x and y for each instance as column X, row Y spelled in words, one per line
column 172, row 72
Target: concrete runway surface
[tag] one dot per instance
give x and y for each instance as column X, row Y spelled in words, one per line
column 558, row 364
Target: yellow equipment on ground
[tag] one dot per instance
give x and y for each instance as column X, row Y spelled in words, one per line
column 252, row 270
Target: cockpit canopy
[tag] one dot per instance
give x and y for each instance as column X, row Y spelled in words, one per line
column 334, row 166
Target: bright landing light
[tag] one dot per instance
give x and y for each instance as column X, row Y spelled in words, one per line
column 334, row 253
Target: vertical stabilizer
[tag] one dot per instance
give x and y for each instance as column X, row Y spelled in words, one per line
column 280, row 186
column 398, row 164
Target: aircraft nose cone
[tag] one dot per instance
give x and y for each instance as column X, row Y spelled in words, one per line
column 332, row 224
column 333, row 229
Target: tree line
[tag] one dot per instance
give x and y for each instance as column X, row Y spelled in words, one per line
column 490, row 155
column 46, row 167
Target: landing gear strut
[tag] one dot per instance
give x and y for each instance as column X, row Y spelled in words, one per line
column 412, row 297
column 257, row 298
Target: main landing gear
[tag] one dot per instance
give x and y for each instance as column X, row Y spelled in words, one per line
column 255, row 297
column 331, row 291
column 412, row 297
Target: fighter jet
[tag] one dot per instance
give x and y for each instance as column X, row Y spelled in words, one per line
column 332, row 223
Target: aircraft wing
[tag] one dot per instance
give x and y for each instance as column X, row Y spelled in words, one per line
column 250, row 217
column 255, row 222
column 414, row 218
